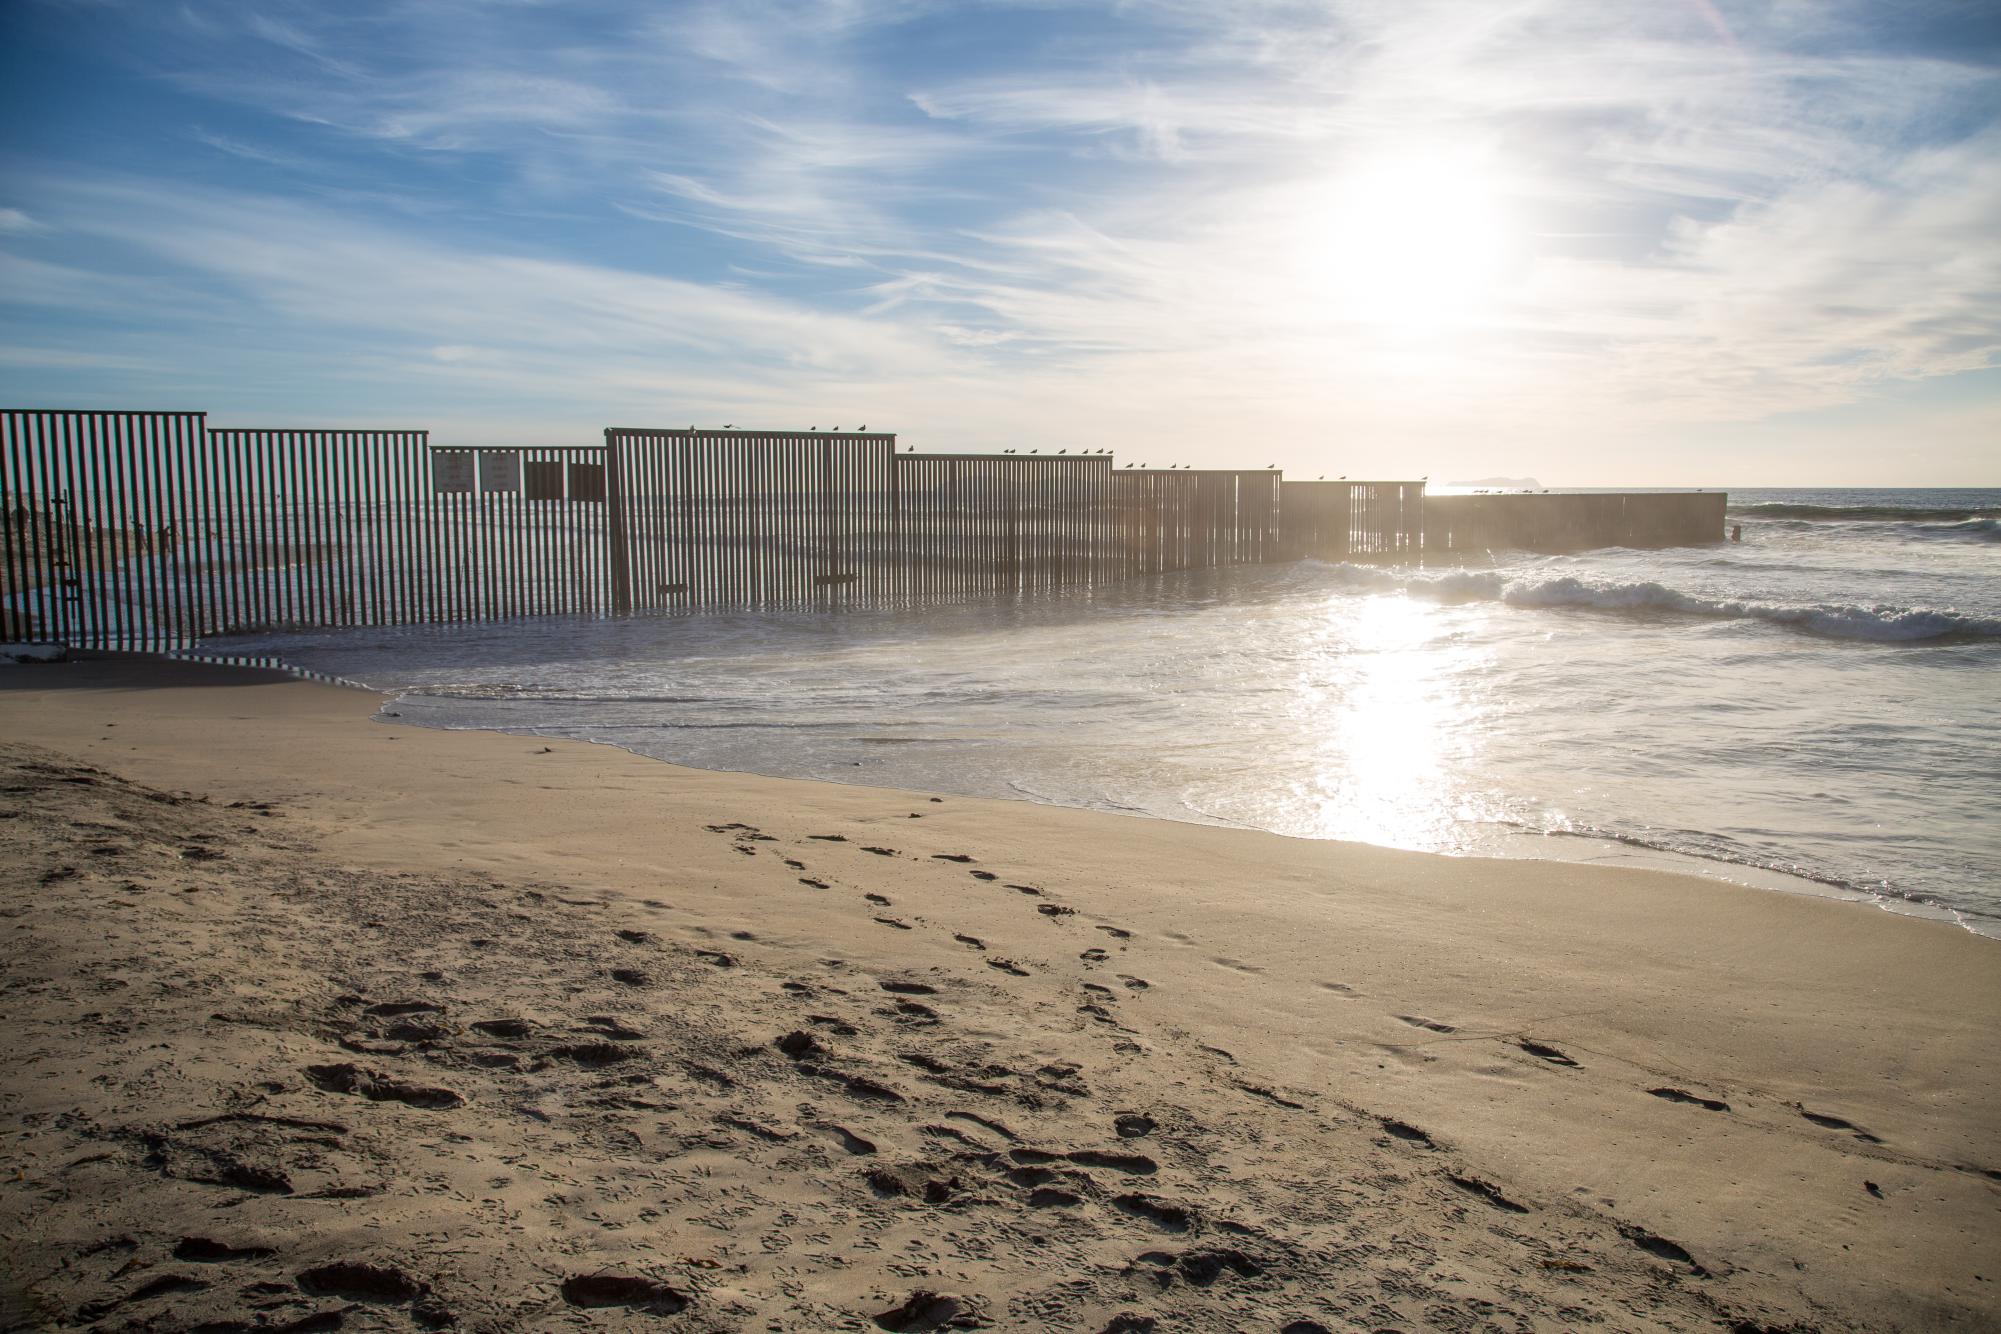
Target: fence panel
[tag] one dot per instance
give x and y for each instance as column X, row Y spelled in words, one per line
column 153, row 529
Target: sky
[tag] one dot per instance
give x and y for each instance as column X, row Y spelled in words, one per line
column 1594, row 242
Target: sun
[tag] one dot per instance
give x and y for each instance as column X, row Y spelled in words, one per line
column 1414, row 242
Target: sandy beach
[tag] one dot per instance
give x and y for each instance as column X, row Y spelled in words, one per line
column 316, row 1021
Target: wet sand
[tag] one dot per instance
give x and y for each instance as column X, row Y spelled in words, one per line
column 318, row 1022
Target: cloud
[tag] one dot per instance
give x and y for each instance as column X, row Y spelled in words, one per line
column 1156, row 220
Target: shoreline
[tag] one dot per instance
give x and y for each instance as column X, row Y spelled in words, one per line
column 1401, row 1088
column 1578, row 847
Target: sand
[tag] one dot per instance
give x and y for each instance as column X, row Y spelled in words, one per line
column 313, row 1021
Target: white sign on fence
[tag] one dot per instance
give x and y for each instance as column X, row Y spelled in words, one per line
column 451, row 472
column 499, row 471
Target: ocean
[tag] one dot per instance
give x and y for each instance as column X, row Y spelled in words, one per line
column 1815, row 708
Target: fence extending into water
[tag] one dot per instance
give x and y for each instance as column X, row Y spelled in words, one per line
column 1569, row 521
column 153, row 529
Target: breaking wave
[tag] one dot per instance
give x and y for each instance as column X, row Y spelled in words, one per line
column 1862, row 513
column 1881, row 622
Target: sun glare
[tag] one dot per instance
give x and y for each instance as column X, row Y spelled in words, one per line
column 1416, row 242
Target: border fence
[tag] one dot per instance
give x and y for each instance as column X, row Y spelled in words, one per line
column 142, row 530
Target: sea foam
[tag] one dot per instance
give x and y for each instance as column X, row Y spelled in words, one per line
column 1881, row 622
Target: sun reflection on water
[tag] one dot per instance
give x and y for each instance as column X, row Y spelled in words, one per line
column 1384, row 718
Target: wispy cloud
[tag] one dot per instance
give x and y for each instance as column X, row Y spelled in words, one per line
column 1188, row 222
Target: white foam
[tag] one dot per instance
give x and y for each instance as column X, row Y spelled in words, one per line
column 1881, row 622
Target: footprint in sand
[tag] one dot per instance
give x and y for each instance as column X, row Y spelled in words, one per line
column 795, row 865
column 1419, row 1021
column 891, row 921
column 1403, row 1130
column 1026, row 889
column 1693, row 1099
column 1548, row 1053
column 984, row 1123
column 1007, row 966
column 205, row 1250
column 811, row 883
column 950, row 857
column 971, row 942
column 1134, row 983
column 877, row 899
column 1116, row 933
column 1836, row 1123
column 629, row 1291
column 1152, row 1209
column 1094, row 956
column 1488, row 1191
column 983, row 875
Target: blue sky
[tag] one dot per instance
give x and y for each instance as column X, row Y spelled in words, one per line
column 1683, row 242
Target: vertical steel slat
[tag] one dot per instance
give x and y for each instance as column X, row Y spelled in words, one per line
column 35, row 430
column 57, row 555
column 17, row 523
column 171, row 563
column 125, row 434
column 94, row 527
column 143, row 467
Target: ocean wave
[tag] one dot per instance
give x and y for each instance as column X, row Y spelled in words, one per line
column 1881, row 622
column 1778, row 509
column 1982, row 530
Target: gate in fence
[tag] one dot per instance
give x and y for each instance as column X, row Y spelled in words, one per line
column 141, row 530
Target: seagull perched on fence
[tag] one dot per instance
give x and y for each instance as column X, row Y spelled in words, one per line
column 729, row 426
column 1062, row 451
column 862, row 427
column 910, row 449
column 1129, row 465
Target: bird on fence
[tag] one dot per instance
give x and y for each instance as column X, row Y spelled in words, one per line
column 1062, row 451
column 1129, row 465
column 1342, row 478
column 910, row 449
column 729, row 426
